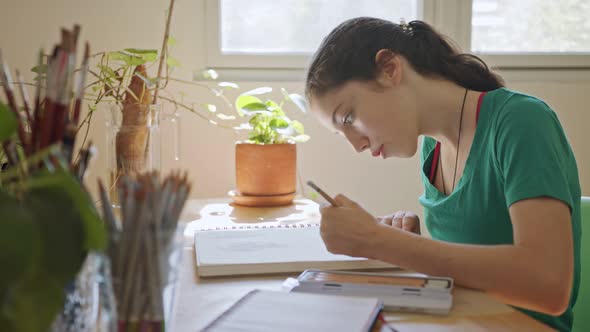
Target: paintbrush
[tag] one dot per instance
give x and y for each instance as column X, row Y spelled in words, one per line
column 24, row 97
column 36, row 125
column 6, row 80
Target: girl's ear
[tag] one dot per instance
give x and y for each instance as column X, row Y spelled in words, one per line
column 389, row 68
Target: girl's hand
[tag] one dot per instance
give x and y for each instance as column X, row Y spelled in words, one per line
column 348, row 229
column 406, row 220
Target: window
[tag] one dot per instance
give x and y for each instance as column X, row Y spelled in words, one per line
column 282, row 34
column 540, row 32
column 295, row 26
column 530, row 26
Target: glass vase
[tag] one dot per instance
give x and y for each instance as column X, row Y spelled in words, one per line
column 135, row 137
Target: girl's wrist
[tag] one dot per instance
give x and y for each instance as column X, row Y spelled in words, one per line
column 378, row 241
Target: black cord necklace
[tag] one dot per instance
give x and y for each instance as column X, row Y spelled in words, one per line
column 457, row 154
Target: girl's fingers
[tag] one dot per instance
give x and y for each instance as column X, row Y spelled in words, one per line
column 397, row 219
column 408, row 223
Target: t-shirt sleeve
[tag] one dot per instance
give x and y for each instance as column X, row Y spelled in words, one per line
column 532, row 152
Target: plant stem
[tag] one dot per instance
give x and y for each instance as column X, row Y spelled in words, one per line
column 204, row 86
column 192, row 110
column 163, row 52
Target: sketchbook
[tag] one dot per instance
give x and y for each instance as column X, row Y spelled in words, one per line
column 262, row 310
column 270, row 249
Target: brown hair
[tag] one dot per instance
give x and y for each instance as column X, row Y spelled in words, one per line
column 348, row 53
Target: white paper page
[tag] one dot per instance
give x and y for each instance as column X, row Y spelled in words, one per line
column 278, row 311
column 264, row 245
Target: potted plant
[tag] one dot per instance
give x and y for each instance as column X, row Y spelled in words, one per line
column 49, row 226
column 266, row 161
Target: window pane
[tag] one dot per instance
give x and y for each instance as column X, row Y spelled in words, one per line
column 297, row 26
column 536, row 26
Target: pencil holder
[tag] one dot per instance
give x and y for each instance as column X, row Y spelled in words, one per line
column 144, row 280
column 145, row 247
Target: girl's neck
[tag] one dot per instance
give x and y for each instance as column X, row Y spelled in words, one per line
column 439, row 105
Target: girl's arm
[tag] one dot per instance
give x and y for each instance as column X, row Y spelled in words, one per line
column 535, row 272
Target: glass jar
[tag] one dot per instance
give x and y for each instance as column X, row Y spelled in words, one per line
column 136, row 135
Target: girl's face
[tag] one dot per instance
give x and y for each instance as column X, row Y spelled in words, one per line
column 378, row 116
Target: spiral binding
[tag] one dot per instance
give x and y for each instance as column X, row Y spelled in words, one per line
column 259, row 227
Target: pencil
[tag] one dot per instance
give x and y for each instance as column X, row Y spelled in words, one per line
column 321, row 192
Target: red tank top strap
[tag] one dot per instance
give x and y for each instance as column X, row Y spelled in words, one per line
column 479, row 101
column 434, row 162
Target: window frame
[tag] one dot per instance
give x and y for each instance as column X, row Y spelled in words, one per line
column 451, row 17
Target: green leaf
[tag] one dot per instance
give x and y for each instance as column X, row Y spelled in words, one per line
column 171, row 41
column 275, row 108
column 34, row 304
column 243, row 126
column 211, row 108
column 285, row 94
column 31, row 298
column 149, row 57
column 301, row 138
column 244, row 100
column 8, row 122
column 298, row 127
column 45, row 237
column 226, row 117
column 256, row 121
column 141, row 51
column 279, row 123
column 128, row 58
column 258, row 91
column 209, row 74
column 300, row 101
column 40, row 69
column 17, row 239
column 108, row 71
column 254, row 107
column 258, row 138
column 228, row 85
column 172, row 62
column 63, row 185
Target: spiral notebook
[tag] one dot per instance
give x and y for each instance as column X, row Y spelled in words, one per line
column 262, row 310
column 241, row 250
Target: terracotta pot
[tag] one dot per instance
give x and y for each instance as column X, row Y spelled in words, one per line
column 264, row 170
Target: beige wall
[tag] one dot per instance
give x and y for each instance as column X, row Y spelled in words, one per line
column 207, row 151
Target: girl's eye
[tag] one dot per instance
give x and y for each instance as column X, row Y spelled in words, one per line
column 348, row 119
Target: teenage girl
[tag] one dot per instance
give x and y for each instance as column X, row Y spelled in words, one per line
column 501, row 190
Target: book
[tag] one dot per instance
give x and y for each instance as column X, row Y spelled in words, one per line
column 270, row 249
column 399, row 292
column 265, row 310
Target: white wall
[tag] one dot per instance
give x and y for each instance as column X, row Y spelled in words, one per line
column 207, row 151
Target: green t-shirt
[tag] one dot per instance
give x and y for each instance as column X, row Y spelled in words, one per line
column 519, row 151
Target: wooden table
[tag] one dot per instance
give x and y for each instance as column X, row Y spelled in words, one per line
column 197, row 301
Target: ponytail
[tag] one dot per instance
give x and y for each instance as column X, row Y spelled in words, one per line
column 348, row 53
